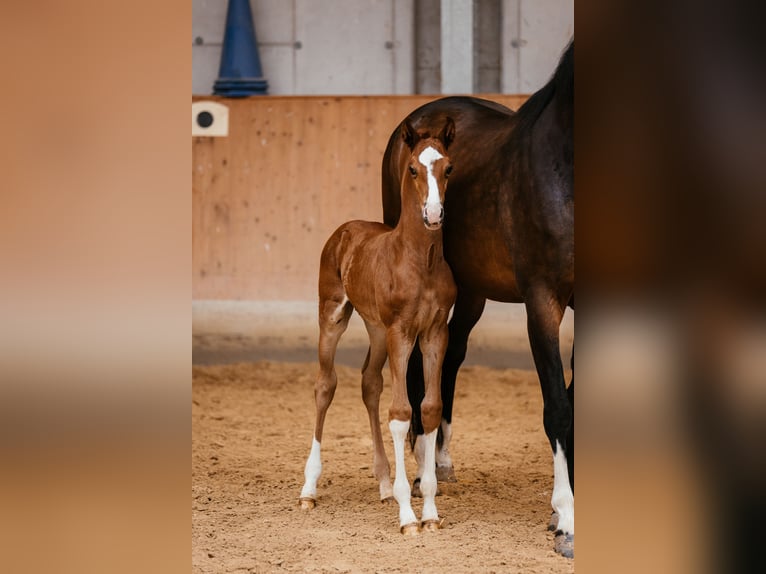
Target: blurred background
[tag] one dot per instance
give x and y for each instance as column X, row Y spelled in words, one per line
column 97, row 273
column 392, row 46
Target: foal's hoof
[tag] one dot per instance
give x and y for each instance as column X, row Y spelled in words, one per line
column 554, row 523
column 387, row 500
column 412, row 529
column 307, row 503
column 433, row 525
column 564, row 544
column 445, row 473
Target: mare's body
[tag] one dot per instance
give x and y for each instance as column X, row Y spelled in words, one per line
column 508, row 236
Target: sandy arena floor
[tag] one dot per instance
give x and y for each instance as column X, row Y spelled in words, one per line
column 252, row 429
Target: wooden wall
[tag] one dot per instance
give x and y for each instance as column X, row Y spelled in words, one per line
column 265, row 198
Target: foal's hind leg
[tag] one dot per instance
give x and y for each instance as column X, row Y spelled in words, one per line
column 372, row 386
column 333, row 320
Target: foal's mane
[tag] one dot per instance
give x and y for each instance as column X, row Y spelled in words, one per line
column 561, row 85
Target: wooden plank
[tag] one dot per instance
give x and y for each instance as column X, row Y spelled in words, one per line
column 265, row 198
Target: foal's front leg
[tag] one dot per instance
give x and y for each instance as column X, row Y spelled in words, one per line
column 465, row 314
column 433, row 345
column 399, row 349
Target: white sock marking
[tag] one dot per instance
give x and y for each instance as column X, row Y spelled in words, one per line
column 433, row 204
column 562, row 499
column 401, row 484
column 428, row 480
column 443, row 457
column 420, row 454
column 312, row 471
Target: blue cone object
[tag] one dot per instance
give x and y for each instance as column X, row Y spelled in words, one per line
column 240, row 72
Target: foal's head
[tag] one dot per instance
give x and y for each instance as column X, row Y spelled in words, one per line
column 428, row 168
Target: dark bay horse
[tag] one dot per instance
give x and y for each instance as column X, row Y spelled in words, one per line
column 399, row 282
column 508, row 236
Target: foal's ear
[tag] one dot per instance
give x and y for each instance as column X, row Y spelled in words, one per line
column 448, row 132
column 409, row 135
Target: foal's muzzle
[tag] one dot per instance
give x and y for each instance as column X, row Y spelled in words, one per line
column 433, row 215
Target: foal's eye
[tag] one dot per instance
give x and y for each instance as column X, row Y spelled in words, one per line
column 413, row 171
column 448, row 171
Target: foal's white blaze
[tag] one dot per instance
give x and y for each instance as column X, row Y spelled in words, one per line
column 562, row 500
column 312, row 471
column 401, row 485
column 433, row 209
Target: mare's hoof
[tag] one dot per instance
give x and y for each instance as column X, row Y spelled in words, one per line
column 554, row 523
column 445, row 474
column 307, row 503
column 433, row 525
column 564, row 544
column 387, row 500
column 412, row 529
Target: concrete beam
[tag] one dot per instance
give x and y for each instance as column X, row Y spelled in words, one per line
column 457, row 46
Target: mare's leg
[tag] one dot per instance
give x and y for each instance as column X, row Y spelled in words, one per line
column 570, row 394
column 433, row 345
column 372, row 386
column 399, row 346
column 569, row 447
column 466, row 313
column 570, row 438
column 334, row 314
column 415, row 393
column 544, row 314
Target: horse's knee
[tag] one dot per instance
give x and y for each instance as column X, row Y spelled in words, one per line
column 324, row 388
column 372, row 386
column 400, row 413
column 431, row 414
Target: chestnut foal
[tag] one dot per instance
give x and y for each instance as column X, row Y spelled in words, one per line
column 398, row 281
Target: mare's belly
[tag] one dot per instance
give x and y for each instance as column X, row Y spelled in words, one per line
column 481, row 263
